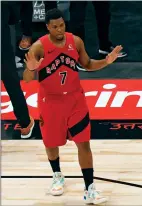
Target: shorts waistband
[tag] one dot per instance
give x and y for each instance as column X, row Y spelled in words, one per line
column 65, row 93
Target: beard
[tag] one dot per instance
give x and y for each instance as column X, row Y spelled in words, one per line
column 60, row 38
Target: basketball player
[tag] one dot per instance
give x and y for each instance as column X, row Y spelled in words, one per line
column 61, row 100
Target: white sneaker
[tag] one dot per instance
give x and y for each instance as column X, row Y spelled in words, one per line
column 92, row 196
column 27, row 132
column 57, row 187
column 109, row 50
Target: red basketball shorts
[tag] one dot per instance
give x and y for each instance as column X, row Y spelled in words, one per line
column 64, row 117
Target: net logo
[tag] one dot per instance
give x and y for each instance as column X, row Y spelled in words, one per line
column 106, row 99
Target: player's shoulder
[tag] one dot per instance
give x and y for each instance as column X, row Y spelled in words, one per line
column 37, row 44
column 78, row 41
column 76, row 38
column 37, row 48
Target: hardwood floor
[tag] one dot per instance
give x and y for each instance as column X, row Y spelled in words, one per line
column 114, row 159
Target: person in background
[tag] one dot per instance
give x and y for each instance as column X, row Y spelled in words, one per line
column 103, row 15
column 26, row 13
column 10, row 78
column 50, row 5
column 62, row 6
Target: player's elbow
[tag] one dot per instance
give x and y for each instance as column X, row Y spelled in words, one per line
column 87, row 66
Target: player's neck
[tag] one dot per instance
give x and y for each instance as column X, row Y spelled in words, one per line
column 57, row 42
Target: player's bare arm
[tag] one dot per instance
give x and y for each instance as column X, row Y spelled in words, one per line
column 92, row 64
column 33, row 60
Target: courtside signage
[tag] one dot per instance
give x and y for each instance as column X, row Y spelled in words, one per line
column 106, row 99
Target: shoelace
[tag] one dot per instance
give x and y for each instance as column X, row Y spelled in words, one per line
column 92, row 193
column 56, row 180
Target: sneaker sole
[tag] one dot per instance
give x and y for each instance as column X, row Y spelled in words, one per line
column 30, row 133
column 96, row 202
column 105, row 53
column 57, row 193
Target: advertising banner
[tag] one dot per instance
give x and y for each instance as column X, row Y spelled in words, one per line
column 114, row 106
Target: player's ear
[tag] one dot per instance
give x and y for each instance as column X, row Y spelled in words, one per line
column 47, row 26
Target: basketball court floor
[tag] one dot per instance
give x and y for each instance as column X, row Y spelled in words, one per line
column 26, row 173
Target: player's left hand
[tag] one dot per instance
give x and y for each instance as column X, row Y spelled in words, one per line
column 111, row 57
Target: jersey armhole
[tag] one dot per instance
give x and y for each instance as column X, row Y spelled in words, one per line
column 44, row 42
column 43, row 48
column 72, row 38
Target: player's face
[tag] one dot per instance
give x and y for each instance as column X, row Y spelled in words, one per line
column 57, row 28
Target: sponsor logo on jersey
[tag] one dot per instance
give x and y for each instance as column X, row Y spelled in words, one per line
column 70, row 47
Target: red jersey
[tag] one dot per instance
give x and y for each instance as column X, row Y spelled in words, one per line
column 58, row 73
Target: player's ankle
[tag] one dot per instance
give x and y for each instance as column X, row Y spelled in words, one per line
column 55, row 164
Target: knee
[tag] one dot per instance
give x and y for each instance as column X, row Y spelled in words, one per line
column 84, row 147
column 52, row 153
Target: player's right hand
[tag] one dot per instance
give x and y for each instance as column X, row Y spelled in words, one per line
column 31, row 62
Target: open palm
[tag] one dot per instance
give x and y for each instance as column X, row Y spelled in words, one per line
column 111, row 57
column 31, row 62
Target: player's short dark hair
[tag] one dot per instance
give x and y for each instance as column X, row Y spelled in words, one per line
column 53, row 14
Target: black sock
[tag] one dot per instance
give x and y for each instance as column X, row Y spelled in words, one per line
column 88, row 176
column 55, row 165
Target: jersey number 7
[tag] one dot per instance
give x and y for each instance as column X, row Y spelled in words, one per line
column 64, row 76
